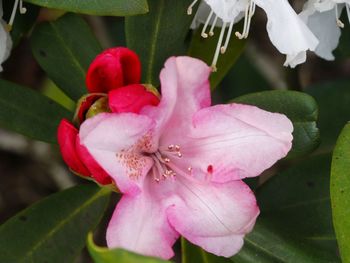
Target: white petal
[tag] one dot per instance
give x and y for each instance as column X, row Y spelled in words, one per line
column 324, row 26
column 5, row 43
column 227, row 10
column 287, row 31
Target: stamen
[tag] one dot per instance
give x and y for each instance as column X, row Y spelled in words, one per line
column 228, row 37
column 211, row 31
column 218, row 47
column 249, row 12
column 339, row 22
column 203, row 34
column 189, row 9
column 22, row 10
column 189, row 169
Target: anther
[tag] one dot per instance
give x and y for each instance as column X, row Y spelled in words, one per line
column 203, row 34
column 179, row 154
column 339, row 22
column 189, row 9
column 177, row 148
column 167, row 160
column 228, row 37
column 189, row 169
column 171, row 147
column 211, row 31
column 218, row 47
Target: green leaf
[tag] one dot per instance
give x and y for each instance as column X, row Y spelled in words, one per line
column 64, row 49
column 340, row 192
column 299, row 107
column 97, row 7
column 204, row 49
column 55, row 229
column 30, row 113
column 104, row 255
column 333, row 99
column 158, row 35
column 295, row 224
column 243, row 78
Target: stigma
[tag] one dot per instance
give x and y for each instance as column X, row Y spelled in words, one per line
column 226, row 29
column 18, row 5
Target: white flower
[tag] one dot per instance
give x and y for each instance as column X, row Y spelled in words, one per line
column 286, row 30
column 5, row 38
column 322, row 17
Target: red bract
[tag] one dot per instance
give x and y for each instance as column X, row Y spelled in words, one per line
column 76, row 156
column 131, row 98
column 113, row 68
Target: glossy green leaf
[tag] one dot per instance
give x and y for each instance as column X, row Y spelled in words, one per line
column 105, row 255
column 97, row 7
column 30, row 113
column 55, row 229
column 333, row 99
column 158, row 35
column 340, row 192
column 299, row 107
column 204, row 49
column 295, row 224
column 64, row 49
column 243, row 78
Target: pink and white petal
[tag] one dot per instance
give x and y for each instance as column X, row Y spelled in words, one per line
column 116, row 142
column 185, row 90
column 207, row 210
column 139, row 224
column 224, row 246
column 236, row 141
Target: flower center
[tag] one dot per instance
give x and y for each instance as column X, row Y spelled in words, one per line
column 164, row 166
column 212, row 19
column 22, row 11
column 337, row 15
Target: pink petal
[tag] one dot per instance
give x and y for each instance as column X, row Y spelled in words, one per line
column 66, row 137
column 207, row 212
column 139, row 224
column 235, row 141
column 116, row 141
column 185, row 89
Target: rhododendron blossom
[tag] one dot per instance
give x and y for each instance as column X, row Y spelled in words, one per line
column 180, row 164
column 323, row 18
column 286, row 30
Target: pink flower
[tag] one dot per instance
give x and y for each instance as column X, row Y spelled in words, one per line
column 180, row 165
column 111, row 71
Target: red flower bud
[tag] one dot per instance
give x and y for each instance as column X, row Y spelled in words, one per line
column 66, row 136
column 131, row 98
column 113, row 68
column 84, row 104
